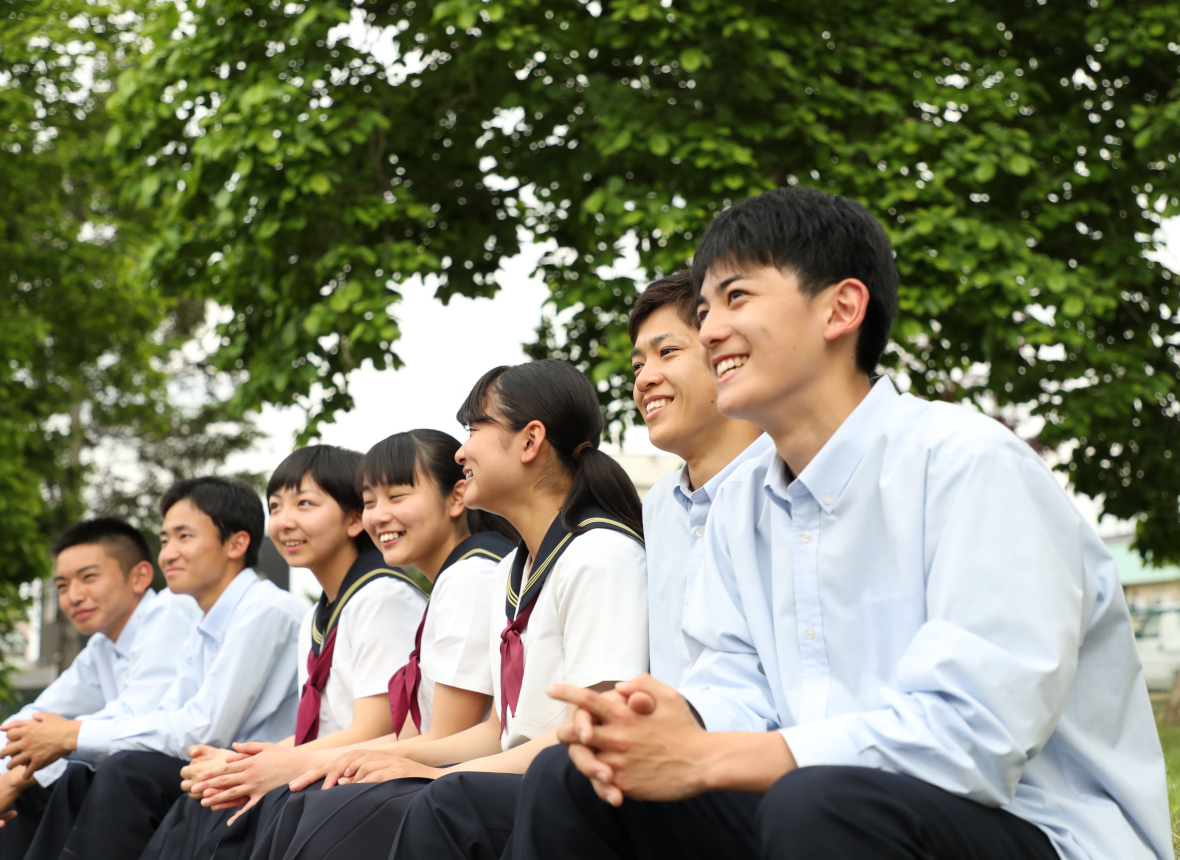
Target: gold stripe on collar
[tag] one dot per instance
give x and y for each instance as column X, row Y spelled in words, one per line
column 318, row 635
column 534, row 575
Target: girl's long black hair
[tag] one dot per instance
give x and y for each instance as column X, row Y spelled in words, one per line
column 399, row 458
column 561, row 398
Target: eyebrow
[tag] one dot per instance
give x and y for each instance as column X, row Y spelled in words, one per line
column 653, row 342
column 179, row 528
column 78, row 572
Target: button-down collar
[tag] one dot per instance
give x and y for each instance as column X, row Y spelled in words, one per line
column 827, row 474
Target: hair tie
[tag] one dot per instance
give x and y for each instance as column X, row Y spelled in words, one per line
column 578, row 451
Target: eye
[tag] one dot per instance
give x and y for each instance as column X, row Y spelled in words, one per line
column 305, row 503
column 668, row 350
column 636, row 367
column 734, row 295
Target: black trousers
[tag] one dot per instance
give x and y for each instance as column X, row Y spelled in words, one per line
column 814, row 812
column 193, row 832
column 347, row 822
column 112, row 817
column 17, row 835
column 466, row 815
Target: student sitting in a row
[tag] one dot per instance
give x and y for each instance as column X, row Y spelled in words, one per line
column 412, row 492
column 235, row 681
column 350, row 642
column 103, row 576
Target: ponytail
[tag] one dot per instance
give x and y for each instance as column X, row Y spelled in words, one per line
column 563, row 400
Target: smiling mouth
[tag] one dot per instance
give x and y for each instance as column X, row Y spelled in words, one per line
column 658, row 403
column 83, row 614
column 294, row 544
column 468, row 474
column 724, row 366
column 390, row 538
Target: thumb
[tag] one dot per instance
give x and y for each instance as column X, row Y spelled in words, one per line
column 250, row 747
column 642, row 703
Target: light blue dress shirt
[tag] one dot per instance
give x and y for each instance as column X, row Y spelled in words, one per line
column 926, row 599
column 674, row 517
column 127, row 676
column 235, row 680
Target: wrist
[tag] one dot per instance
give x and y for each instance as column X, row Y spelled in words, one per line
column 70, row 736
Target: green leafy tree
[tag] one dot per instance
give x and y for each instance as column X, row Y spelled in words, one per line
column 1021, row 155
column 87, row 353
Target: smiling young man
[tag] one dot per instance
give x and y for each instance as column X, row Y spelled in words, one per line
column 235, row 680
column 102, row 575
column 675, row 393
column 913, row 646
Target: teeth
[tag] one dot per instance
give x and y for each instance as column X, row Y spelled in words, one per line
column 656, row 404
column 291, row 543
column 727, row 364
column 386, row 537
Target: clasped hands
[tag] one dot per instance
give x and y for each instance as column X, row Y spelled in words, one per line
column 38, row 741
column 639, row 740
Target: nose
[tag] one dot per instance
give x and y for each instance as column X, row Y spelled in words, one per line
column 461, row 455
column 280, row 518
column 648, row 376
column 167, row 555
column 73, row 594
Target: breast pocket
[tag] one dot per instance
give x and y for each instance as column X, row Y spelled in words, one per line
column 544, row 664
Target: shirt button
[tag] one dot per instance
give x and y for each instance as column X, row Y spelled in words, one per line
column 809, row 632
column 805, row 537
column 700, row 532
column 828, row 500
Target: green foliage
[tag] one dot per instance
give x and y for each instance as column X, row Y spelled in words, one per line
column 1020, row 155
column 86, row 352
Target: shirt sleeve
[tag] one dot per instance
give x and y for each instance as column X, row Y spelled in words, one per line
column 457, row 627
column 726, row 683
column 222, row 695
column 982, row 685
column 602, row 606
column 153, row 660
column 380, row 623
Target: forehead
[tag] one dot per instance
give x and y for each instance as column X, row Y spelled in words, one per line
column 75, row 558
column 185, row 513
column 663, row 321
column 723, row 272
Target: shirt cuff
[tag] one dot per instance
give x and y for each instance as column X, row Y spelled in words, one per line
column 95, row 739
column 51, row 773
column 826, row 742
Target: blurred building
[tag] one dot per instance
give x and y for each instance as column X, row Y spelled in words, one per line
column 1144, row 585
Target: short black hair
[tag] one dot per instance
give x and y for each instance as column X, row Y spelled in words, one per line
column 821, row 238
column 675, row 291
column 122, row 541
column 232, row 505
column 334, row 471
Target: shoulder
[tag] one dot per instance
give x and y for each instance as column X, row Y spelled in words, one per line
column 171, row 608
column 951, row 436
column 603, row 548
column 748, row 477
column 381, row 595
column 265, row 601
column 661, row 491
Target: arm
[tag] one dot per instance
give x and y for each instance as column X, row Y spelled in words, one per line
column 982, row 684
column 256, row 647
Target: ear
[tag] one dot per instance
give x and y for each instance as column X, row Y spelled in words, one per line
column 353, row 523
column 140, row 577
column 237, row 545
column 534, row 438
column 848, row 302
column 454, row 500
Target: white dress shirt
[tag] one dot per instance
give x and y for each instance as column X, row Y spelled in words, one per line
column 925, row 599
column 589, row 626
column 456, row 637
column 674, row 517
column 124, row 677
column 374, row 638
column 235, row 680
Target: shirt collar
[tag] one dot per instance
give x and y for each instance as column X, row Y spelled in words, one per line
column 687, row 496
column 829, row 471
column 127, row 635
column 216, row 620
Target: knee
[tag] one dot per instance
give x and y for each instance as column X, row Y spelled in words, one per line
column 812, row 797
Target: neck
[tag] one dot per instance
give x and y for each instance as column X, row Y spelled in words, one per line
column 332, row 572
column 533, row 515
column 209, row 596
column 432, row 564
column 716, row 450
column 802, row 423
column 116, row 629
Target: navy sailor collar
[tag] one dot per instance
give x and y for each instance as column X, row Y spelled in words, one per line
column 557, row 540
column 369, row 566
